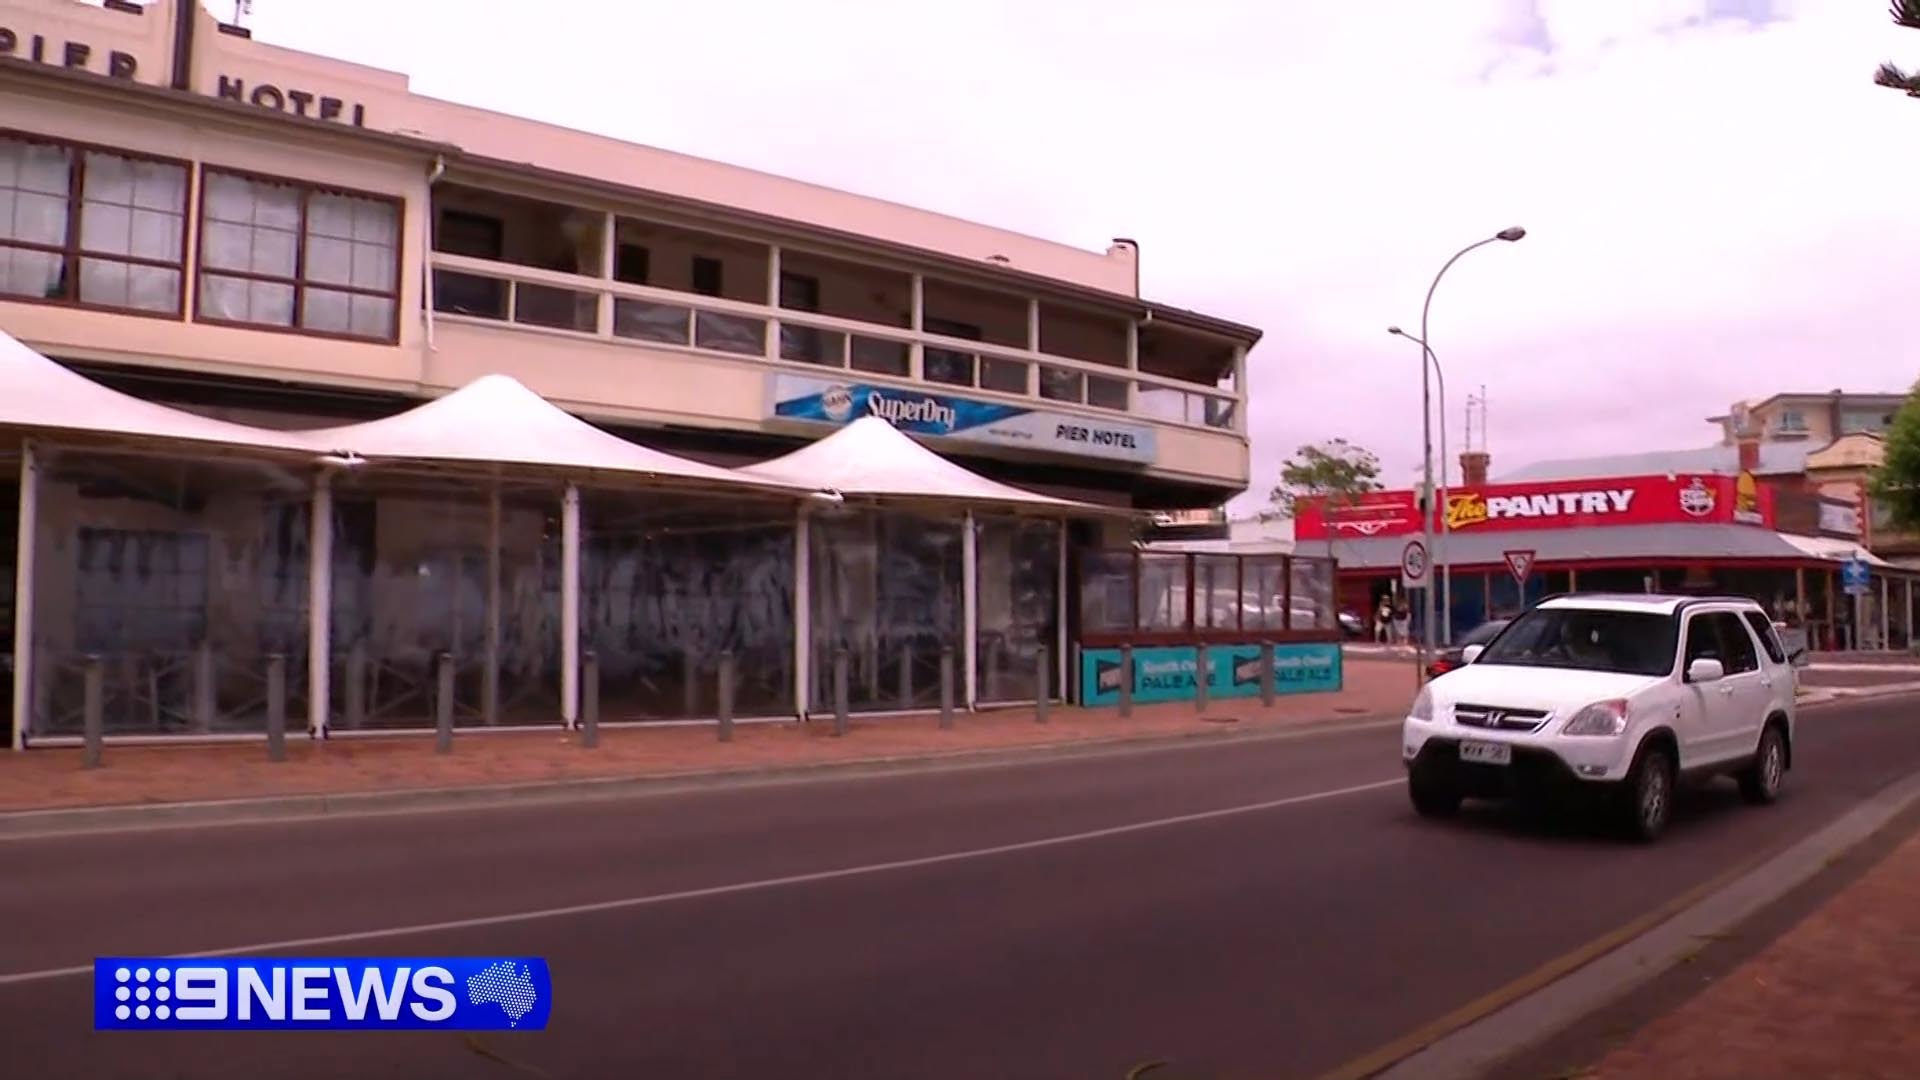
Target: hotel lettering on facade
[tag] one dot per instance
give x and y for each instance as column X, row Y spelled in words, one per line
column 276, row 243
column 1689, row 533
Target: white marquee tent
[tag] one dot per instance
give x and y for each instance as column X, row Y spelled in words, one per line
column 39, row 394
column 871, row 457
column 497, row 420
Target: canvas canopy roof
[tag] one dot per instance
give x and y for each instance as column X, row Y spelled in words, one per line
column 871, row 457
column 39, row 393
column 496, row 419
column 1615, row 542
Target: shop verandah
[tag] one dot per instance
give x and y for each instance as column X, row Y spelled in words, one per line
column 1805, row 593
column 165, row 563
column 1796, row 578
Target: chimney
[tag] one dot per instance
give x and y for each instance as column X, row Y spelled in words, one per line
column 1746, row 436
column 1473, row 467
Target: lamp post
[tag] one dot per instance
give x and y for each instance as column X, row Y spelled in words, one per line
column 1439, row 564
column 1432, row 512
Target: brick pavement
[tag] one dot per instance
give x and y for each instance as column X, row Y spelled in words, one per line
column 1837, row 996
column 43, row 778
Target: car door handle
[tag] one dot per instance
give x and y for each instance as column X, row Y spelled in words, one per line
column 1727, row 690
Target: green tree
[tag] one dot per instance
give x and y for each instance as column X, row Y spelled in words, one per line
column 1896, row 483
column 1336, row 471
column 1905, row 13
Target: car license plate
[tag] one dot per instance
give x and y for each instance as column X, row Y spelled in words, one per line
column 1486, row 753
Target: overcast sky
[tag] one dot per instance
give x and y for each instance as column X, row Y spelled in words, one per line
column 1719, row 203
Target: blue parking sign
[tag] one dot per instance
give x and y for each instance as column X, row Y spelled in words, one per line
column 1854, row 575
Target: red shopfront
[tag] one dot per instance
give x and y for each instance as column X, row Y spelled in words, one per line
column 1684, row 533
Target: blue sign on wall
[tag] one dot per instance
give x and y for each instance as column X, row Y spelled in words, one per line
column 1169, row 673
column 823, row 401
column 1855, row 575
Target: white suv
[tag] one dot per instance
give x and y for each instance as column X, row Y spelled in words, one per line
column 1623, row 694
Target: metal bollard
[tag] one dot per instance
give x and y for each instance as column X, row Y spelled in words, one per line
column 276, row 707
column 906, row 677
column 590, row 699
column 93, row 720
column 946, row 688
column 839, row 692
column 357, row 687
column 688, row 672
column 1042, row 677
column 204, row 705
column 1072, row 692
column 443, row 706
column 1126, row 680
column 1201, row 691
column 726, row 696
column 1266, row 674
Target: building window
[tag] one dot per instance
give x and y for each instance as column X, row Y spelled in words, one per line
column 274, row 253
column 632, row 263
column 708, row 279
column 477, row 236
column 799, row 292
column 91, row 227
column 1854, row 423
column 1792, row 420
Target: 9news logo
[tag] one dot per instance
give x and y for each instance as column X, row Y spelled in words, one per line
column 303, row 994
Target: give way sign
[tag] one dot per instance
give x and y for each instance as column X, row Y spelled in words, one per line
column 1519, row 564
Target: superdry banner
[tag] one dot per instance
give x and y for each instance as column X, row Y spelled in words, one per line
column 796, row 397
column 1564, row 504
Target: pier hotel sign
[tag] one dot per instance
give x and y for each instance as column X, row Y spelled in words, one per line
column 31, row 46
column 79, row 55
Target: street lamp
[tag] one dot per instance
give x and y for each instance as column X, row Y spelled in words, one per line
column 1426, row 424
column 1437, row 565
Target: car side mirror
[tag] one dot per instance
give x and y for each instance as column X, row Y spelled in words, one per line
column 1471, row 653
column 1706, row 670
column 1801, row 658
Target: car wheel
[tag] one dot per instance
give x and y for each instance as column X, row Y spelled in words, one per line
column 1760, row 781
column 1649, row 804
column 1432, row 799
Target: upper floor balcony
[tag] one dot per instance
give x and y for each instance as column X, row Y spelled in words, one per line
column 600, row 274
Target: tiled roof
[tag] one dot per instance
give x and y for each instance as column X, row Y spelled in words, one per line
column 1775, row 458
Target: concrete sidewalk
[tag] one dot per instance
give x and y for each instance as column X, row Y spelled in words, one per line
column 1837, row 996
column 154, row 775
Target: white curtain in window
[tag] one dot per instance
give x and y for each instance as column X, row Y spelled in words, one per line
column 34, row 182
column 133, row 208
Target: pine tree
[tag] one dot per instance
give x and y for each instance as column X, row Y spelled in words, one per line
column 1905, row 13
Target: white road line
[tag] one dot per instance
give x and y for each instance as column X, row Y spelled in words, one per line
column 16, row 978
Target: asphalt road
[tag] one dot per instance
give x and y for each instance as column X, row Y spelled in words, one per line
column 1313, row 924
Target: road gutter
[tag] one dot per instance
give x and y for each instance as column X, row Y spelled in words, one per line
column 1523, row 1014
column 62, row 821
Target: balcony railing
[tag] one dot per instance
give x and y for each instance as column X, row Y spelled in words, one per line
column 659, row 318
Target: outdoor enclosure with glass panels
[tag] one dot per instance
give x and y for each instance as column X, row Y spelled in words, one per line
column 886, row 589
column 428, row 565
column 1019, row 607
column 669, row 585
column 178, row 580
column 1181, row 597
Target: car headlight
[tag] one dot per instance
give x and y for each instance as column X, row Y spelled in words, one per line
column 1422, row 706
column 1600, row 718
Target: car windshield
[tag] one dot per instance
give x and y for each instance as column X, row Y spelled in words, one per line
column 1630, row 642
column 1484, row 633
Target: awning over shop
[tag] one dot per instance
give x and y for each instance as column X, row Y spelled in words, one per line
column 1837, row 550
column 873, row 458
column 37, row 393
column 497, row 420
column 1618, row 543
